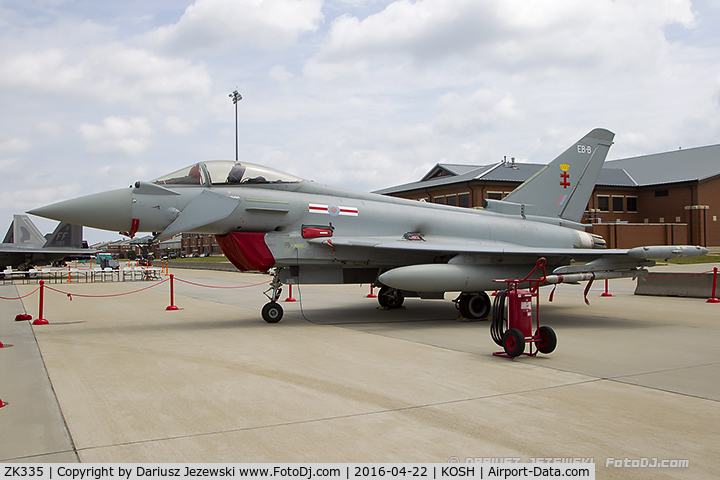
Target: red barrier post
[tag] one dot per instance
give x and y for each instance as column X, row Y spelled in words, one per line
column 40, row 320
column 290, row 297
column 371, row 294
column 714, row 298
column 2, row 404
column 607, row 289
column 172, row 294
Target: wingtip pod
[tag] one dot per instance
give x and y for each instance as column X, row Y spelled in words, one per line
column 667, row 251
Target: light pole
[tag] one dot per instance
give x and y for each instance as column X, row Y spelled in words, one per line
column 236, row 97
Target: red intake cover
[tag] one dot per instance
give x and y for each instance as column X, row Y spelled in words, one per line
column 246, row 250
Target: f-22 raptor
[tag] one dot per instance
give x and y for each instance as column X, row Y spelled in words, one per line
column 24, row 246
column 317, row 234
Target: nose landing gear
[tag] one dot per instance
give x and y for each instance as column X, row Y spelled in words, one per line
column 272, row 312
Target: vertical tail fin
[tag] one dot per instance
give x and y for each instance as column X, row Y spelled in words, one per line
column 563, row 187
column 66, row 235
column 23, row 232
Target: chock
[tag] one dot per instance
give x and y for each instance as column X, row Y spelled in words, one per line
column 22, row 316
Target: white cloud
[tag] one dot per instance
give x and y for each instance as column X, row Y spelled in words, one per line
column 110, row 72
column 14, row 145
column 502, row 35
column 485, row 108
column 279, row 73
column 268, row 24
column 117, row 135
column 177, row 126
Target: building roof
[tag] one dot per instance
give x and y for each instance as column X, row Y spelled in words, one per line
column 694, row 164
column 501, row 172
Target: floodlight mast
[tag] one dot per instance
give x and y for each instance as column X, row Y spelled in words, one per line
column 236, row 97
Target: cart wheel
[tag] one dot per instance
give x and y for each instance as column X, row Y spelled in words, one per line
column 548, row 340
column 514, row 342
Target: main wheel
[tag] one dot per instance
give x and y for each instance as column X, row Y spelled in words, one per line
column 513, row 342
column 389, row 297
column 474, row 305
column 548, row 340
column 272, row 312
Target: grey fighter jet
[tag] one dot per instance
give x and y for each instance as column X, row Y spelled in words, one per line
column 317, row 234
column 24, row 246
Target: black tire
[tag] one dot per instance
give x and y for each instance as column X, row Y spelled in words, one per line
column 389, row 297
column 514, row 342
column 272, row 312
column 548, row 340
column 475, row 306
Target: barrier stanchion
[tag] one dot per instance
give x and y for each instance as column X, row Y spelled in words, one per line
column 172, row 305
column 69, row 280
column 290, row 297
column 40, row 320
column 371, row 294
column 714, row 298
column 606, row 293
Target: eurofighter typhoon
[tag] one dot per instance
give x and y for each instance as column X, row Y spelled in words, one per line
column 317, row 234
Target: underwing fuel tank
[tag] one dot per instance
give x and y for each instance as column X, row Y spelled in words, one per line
column 450, row 277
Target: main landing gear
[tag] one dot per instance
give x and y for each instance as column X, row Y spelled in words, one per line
column 473, row 306
column 391, row 298
column 272, row 312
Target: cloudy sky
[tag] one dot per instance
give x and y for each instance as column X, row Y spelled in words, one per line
column 363, row 94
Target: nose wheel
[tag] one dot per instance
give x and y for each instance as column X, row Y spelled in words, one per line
column 272, row 312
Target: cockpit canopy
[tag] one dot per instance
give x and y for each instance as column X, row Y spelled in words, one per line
column 225, row 172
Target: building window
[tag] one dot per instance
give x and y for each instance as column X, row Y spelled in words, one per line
column 440, row 200
column 632, row 204
column 464, row 200
column 495, row 195
column 603, row 203
column 662, row 193
column 617, row 204
column 451, row 200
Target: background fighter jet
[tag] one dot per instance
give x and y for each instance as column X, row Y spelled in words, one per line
column 24, row 246
column 314, row 233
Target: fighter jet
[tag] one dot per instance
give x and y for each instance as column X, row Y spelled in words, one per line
column 24, row 246
column 317, row 234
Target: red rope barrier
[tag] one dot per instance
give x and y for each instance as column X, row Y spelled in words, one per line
column 20, row 298
column 214, row 286
column 70, row 295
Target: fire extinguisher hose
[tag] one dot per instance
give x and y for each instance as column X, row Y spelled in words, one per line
column 499, row 322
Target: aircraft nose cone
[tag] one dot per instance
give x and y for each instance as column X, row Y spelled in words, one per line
column 107, row 210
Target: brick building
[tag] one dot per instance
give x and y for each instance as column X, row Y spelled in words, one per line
column 665, row 198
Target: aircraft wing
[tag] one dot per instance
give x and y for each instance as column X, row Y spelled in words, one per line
column 450, row 245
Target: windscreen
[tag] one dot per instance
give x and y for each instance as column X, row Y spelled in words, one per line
column 192, row 175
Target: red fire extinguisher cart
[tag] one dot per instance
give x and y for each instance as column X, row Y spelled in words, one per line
column 512, row 327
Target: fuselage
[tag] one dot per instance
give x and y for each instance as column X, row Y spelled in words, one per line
column 297, row 223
